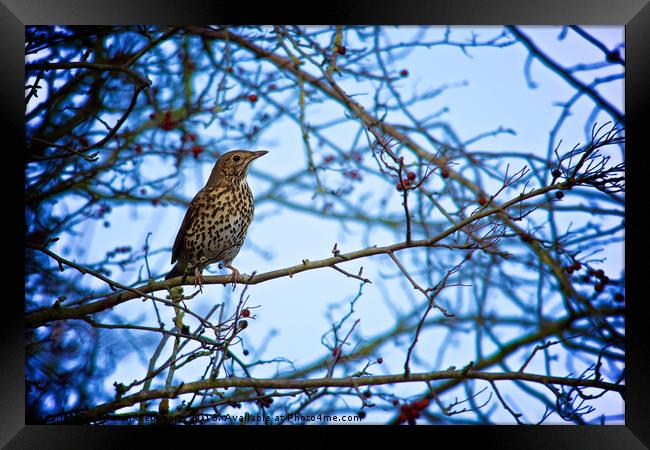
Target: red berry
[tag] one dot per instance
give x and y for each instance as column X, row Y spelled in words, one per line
column 336, row 351
column 362, row 414
column 556, row 173
column 246, row 313
column 577, row 265
column 404, row 73
column 329, row 158
column 600, row 273
column 411, row 176
column 341, row 50
column 402, row 417
column 138, row 148
column 367, row 394
column 619, row 297
column 559, row 195
column 197, row 150
column 380, row 360
column 399, row 186
column 568, row 269
column 406, row 182
column 192, row 136
column 482, row 201
column 252, row 98
column 604, row 279
column 83, row 141
column 243, row 324
column 395, row 402
column 444, row 173
column 599, row 287
column 273, row 86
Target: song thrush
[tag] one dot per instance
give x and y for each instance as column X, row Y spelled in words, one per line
column 217, row 219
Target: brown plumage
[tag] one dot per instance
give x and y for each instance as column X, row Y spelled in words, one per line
column 217, row 219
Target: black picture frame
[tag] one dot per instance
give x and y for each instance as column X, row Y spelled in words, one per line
column 633, row 14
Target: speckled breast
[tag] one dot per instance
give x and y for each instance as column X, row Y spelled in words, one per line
column 223, row 219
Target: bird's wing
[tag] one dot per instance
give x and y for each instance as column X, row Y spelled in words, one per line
column 179, row 243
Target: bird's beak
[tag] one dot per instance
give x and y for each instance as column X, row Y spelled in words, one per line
column 256, row 155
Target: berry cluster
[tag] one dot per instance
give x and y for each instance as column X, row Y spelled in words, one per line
column 573, row 268
column 195, row 148
column 601, row 279
column 410, row 412
column 406, row 183
column 167, row 123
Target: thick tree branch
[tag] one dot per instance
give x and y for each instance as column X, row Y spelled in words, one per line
column 97, row 412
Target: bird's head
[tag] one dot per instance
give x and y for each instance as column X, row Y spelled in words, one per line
column 235, row 163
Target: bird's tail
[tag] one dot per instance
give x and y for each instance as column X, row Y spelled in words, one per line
column 177, row 271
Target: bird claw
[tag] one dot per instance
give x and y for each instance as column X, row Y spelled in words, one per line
column 198, row 278
column 234, row 278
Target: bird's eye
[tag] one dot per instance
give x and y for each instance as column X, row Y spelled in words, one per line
column 236, row 158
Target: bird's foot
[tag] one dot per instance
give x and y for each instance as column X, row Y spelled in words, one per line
column 198, row 278
column 234, row 277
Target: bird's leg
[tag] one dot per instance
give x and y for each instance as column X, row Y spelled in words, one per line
column 235, row 275
column 198, row 278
